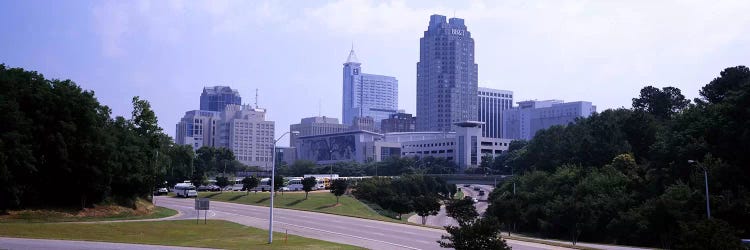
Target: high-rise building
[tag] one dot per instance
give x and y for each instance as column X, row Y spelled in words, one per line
column 240, row 128
column 217, row 97
column 529, row 117
column 196, row 129
column 492, row 102
column 317, row 125
column 245, row 131
column 365, row 95
column 446, row 76
column 398, row 122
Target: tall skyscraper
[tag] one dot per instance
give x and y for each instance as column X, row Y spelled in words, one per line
column 366, row 95
column 446, row 76
column 492, row 102
column 217, row 97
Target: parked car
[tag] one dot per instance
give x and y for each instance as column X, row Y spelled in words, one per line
column 476, row 188
column 161, row 191
column 467, row 185
column 475, row 200
column 481, row 192
column 214, row 188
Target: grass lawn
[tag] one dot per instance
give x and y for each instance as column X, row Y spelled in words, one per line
column 321, row 201
column 459, row 195
column 215, row 234
column 45, row 216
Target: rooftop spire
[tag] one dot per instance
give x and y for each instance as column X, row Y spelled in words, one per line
column 352, row 57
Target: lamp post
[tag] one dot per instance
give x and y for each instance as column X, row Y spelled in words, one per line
column 273, row 176
column 705, row 180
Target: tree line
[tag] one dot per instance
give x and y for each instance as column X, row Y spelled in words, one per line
column 60, row 147
column 405, row 194
column 635, row 176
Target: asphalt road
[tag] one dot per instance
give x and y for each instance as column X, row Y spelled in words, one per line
column 442, row 219
column 348, row 230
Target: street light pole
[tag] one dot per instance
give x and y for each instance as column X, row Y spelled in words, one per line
column 705, row 180
column 273, row 185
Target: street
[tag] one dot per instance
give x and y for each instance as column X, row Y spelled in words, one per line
column 342, row 229
column 442, row 219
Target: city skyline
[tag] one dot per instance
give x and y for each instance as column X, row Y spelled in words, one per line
column 540, row 51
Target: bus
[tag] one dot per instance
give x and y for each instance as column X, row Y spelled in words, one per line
column 295, row 184
column 185, row 190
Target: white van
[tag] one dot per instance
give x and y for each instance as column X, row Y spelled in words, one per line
column 185, row 190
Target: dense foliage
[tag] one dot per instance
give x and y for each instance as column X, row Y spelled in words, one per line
column 622, row 176
column 479, row 234
column 404, row 194
column 60, row 147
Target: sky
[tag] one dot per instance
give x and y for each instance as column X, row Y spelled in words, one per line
column 292, row 51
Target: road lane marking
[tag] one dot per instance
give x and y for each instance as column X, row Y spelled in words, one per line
column 336, row 233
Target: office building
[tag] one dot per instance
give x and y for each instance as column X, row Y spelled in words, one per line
column 529, row 117
column 446, row 76
column 317, row 125
column 197, row 128
column 240, row 128
column 492, row 102
column 217, row 97
column 465, row 146
column 245, row 131
column 366, row 95
column 398, row 122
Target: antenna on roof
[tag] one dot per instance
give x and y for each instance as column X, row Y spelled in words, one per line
column 256, row 98
column 319, row 107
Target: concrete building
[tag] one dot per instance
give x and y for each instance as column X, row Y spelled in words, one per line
column 365, row 95
column 316, row 125
column 492, row 102
column 529, row 117
column 465, row 147
column 217, row 97
column 338, row 147
column 240, row 128
column 399, row 122
column 246, row 132
column 197, row 128
column 286, row 155
column 446, row 76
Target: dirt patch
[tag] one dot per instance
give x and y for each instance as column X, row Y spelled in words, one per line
column 61, row 214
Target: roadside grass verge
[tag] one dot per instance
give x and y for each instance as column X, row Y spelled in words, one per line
column 144, row 210
column 215, row 234
column 322, row 201
column 547, row 242
column 459, row 195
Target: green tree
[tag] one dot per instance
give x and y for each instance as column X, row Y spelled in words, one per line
column 462, row 210
column 338, row 188
column 662, row 103
column 708, row 234
column 479, row 235
column 222, row 182
column 426, row 205
column 308, row 184
column 248, row 183
column 301, row 168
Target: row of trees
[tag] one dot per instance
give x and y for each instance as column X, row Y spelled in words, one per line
column 393, row 166
column 60, row 147
column 623, row 176
column 406, row 194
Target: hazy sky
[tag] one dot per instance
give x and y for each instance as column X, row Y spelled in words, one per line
column 292, row 51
